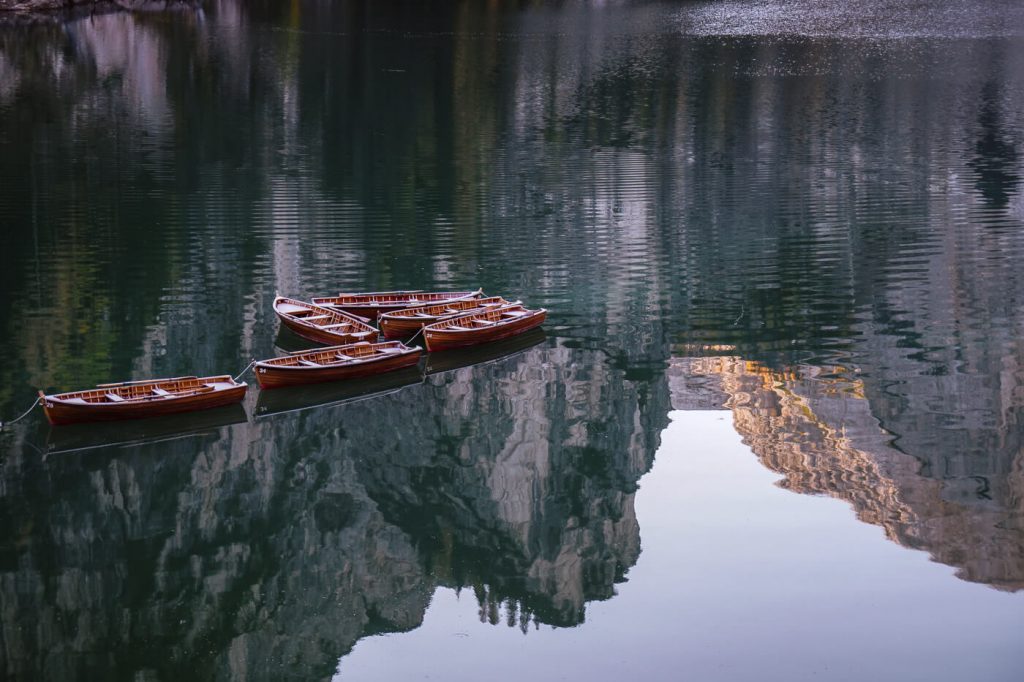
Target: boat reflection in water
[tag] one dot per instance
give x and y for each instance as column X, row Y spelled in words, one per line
column 297, row 398
column 446, row 361
column 89, row 436
column 335, row 393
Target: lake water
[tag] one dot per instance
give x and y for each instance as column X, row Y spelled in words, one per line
column 773, row 428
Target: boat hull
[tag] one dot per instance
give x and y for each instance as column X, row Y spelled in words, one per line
column 399, row 328
column 288, row 309
column 277, row 376
column 443, row 339
column 59, row 411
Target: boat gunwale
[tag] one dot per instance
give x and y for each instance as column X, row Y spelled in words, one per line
column 202, row 386
column 359, row 322
column 272, row 363
column 404, row 313
column 394, row 298
column 443, row 326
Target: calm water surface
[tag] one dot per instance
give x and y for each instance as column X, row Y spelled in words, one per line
column 774, row 427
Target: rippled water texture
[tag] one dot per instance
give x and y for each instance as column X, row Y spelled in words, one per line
column 806, row 216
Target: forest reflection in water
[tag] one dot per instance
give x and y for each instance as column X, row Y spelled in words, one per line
column 822, row 234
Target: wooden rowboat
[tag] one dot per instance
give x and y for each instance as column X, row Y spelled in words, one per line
column 320, row 324
column 374, row 303
column 334, row 363
column 481, row 327
column 406, row 322
column 141, row 399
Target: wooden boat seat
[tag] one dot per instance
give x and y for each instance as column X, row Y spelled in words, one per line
column 114, row 398
column 335, row 326
column 309, row 363
column 342, row 356
column 316, row 317
column 457, row 328
column 485, row 323
column 160, row 391
column 513, row 313
column 389, row 350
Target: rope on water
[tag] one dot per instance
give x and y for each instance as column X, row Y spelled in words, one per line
column 247, row 367
column 409, row 342
column 23, row 415
column 743, row 310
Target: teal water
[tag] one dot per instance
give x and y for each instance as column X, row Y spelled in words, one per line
column 800, row 220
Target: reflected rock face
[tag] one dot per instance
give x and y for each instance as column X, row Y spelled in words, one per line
column 819, row 428
column 209, row 565
column 283, row 542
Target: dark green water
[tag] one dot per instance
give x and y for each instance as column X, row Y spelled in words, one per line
column 809, row 215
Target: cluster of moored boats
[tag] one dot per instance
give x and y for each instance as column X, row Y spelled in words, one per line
column 345, row 323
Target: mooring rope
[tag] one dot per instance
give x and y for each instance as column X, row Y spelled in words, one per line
column 409, row 342
column 247, row 367
column 23, row 415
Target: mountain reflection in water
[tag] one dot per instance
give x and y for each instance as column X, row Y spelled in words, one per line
column 821, row 231
column 281, row 543
column 820, row 428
